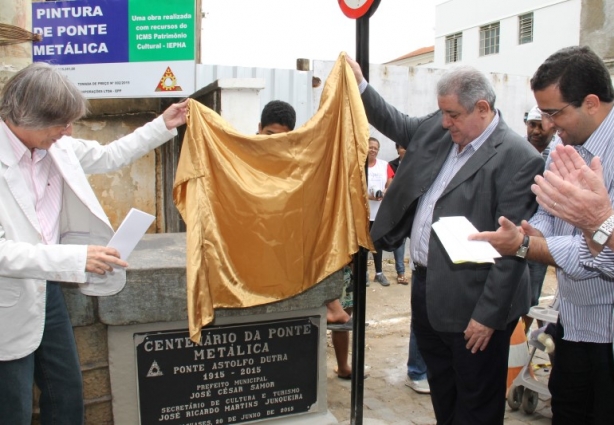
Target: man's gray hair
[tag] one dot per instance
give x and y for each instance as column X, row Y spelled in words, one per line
column 40, row 96
column 469, row 85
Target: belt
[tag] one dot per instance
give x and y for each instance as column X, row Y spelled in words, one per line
column 419, row 270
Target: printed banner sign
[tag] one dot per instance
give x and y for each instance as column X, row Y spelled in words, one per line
column 119, row 48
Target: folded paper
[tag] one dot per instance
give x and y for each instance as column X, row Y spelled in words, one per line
column 453, row 232
column 130, row 232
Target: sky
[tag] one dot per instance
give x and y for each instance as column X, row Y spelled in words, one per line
column 274, row 33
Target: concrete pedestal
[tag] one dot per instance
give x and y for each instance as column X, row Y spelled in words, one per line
column 154, row 300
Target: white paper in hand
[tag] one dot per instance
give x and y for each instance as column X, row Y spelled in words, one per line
column 453, row 233
column 130, row 232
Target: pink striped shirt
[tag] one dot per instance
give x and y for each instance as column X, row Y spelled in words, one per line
column 45, row 184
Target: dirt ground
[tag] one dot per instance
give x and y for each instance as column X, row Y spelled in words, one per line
column 386, row 398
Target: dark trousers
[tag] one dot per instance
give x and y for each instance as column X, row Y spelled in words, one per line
column 54, row 366
column 537, row 273
column 377, row 256
column 466, row 389
column 581, row 382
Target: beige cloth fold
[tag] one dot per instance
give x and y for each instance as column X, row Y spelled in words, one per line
column 268, row 217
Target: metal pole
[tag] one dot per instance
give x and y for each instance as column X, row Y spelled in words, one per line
column 358, row 336
column 360, row 258
column 362, row 44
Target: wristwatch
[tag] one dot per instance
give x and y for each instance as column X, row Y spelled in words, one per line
column 524, row 247
column 603, row 233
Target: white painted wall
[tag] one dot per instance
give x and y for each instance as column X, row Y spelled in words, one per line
column 289, row 85
column 413, row 91
column 423, row 59
column 240, row 102
column 556, row 25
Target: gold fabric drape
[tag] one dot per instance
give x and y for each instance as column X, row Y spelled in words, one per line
column 268, row 217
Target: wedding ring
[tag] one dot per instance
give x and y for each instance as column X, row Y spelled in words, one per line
column 554, row 206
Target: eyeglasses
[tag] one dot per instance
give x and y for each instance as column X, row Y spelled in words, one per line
column 63, row 127
column 550, row 115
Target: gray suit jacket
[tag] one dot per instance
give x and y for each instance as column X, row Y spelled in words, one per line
column 495, row 181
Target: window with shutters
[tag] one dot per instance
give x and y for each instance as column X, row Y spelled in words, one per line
column 525, row 28
column 489, row 39
column 454, row 47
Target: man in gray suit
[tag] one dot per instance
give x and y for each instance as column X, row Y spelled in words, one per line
column 462, row 160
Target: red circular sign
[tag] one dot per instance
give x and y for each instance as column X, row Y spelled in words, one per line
column 354, row 9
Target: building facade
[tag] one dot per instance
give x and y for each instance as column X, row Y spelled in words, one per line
column 421, row 56
column 510, row 37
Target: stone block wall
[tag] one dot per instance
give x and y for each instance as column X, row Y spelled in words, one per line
column 93, row 354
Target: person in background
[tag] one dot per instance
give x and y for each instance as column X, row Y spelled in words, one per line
column 340, row 335
column 277, row 116
column 462, row 160
column 399, row 253
column 53, row 229
column 574, row 91
column 541, row 135
column 416, row 378
column 379, row 177
column 416, row 368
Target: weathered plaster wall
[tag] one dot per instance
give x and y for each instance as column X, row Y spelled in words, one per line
column 597, row 28
column 135, row 185
column 14, row 57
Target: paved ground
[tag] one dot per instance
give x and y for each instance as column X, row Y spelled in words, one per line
column 386, row 399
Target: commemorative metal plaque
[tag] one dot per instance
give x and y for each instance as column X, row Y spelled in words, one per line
column 236, row 374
